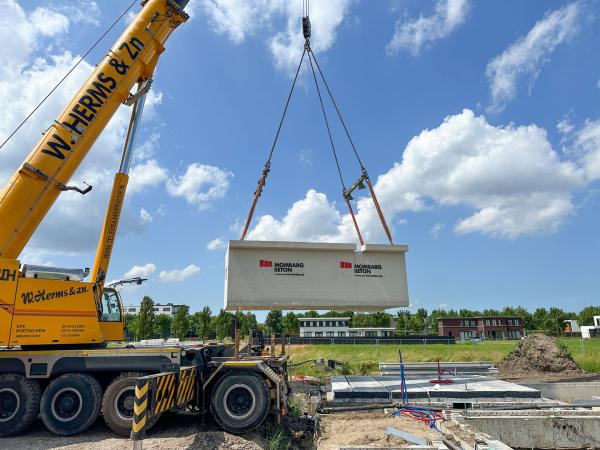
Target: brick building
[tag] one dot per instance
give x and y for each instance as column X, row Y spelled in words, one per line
column 488, row 327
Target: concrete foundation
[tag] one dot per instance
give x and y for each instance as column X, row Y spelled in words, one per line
column 567, row 392
column 539, row 429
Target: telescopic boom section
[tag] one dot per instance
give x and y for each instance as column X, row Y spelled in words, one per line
column 26, row 198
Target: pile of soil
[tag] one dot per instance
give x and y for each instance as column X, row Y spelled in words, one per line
column 538, row 354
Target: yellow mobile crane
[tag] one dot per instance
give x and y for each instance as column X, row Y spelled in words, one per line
column 53, row 325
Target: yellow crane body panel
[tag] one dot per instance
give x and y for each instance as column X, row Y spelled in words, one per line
column 50, row 312
column 9, row 277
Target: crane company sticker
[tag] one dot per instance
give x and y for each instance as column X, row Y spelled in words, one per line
column 8, row 275
column 21, row 331
column 42, row 295
column 363, row 270
column 74, row 330
column 89, row 105
column 283, row 268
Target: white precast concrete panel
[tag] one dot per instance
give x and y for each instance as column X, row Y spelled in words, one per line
column 264, row 275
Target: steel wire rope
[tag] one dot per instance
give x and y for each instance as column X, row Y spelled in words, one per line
column 67, row 74
column 287, row 103
column 339, row 114
column 267, row 168
column 337, row 162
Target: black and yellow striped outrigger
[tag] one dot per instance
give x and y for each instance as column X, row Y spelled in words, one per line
column 158, row 393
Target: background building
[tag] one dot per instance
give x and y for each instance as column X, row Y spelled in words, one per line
column 588, row 331
column 169, row 309
column 339, row 327
column 492, row 327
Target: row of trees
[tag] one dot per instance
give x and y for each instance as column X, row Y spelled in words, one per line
column 204, row 324
column 422, row 322
column 148, row 325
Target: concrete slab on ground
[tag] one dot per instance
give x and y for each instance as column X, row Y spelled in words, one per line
column 468, row 388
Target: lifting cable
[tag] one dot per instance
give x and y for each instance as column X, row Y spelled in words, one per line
column 68, row 73
column 364, row 177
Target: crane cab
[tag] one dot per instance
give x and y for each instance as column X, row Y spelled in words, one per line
column 42, row 306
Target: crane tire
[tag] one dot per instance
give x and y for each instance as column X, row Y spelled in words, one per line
column 117, row 403
column 71, row 403
column 240, row 402
column 19, row 403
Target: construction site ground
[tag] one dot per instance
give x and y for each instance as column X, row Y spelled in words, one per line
column 172, row 432
column 367, row 429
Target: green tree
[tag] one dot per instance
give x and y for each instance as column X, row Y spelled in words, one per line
column 519, row 311
column 361, row 321
column 181, row 323
column 586, row 315
column 402, row 321
column 555, row 322
column 202, row 322
column 383, row 319
column 222, row 324
column 291, row 324
column 248, row 323
column 145, row 327
column 274, row 321
column 130, row 324
column 540, row 319
column 163, row 325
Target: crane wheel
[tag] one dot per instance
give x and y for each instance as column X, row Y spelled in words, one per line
column 19, row 403
column 71, row 403
column 240, row 402
column 117, row 404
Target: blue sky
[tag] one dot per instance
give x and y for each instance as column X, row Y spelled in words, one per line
column 479, row 122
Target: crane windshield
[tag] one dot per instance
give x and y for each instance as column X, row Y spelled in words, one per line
column 111, row 306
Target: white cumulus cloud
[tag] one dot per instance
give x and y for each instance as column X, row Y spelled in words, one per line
column 314, row 218
column 239, row 19
column 437, row 229
column 416, row 34
column 146, row 174
column 509, row 176
column 200, row 185
column 587, row 143
column 216, row 244
column 144, row 271
column 524, row 58
column 169, row 276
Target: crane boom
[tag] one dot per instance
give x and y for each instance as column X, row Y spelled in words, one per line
column 33, row 188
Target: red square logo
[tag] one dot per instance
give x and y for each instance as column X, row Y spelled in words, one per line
column 265, row 263
column 345, row 265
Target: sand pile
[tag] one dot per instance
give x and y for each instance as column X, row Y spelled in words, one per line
column 538, row 354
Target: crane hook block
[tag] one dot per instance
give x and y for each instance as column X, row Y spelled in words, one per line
column 306, row 27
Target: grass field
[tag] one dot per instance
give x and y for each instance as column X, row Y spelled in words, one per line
column 364, row 359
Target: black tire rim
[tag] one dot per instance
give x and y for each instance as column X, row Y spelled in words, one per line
column 9, row 404
column 239, row 401
column 66, row 404
column 124, row 402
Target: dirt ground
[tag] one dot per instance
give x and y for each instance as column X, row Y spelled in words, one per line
column 367, row 429
column 541, row 356
column 174, row 432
